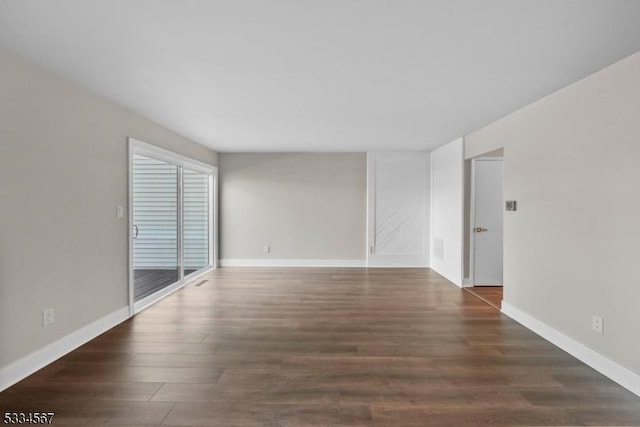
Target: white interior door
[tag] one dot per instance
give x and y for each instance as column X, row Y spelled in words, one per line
column 487, row 222
column 397, row 220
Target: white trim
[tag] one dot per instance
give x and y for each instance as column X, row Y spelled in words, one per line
column 472, row 221
column 180, row 206
column 293, row 263
column 132, row 309
column 37, row 360
column 607, row 367
column 213, row 229
column 398, row 261
column 158, row 153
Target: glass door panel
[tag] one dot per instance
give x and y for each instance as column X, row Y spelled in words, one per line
column 155, row 226
column 196, row 220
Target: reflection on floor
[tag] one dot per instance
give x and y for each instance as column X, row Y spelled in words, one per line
column 492, row 295
column 149, row 281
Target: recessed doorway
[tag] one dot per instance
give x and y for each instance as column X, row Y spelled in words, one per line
column 486, row 237
column 484, row 227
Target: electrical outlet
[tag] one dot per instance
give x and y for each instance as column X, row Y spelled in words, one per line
column 597, row 324
column 48, row 317
column 266, row 249
column 119, row 211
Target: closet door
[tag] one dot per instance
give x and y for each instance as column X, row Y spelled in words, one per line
column 398, row 218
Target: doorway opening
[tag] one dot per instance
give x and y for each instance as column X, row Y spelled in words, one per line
column 484, row 227
column 172, row 216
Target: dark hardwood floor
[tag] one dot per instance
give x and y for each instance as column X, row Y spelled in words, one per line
column 292, row 347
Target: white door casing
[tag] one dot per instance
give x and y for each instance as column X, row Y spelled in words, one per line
column 487, row 222
column 398, row 209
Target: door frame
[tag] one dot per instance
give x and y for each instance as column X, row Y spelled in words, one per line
column 136, row 146
column 421, row 261
column 472, row 218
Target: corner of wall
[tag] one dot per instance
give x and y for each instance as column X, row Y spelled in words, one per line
column 37, row 360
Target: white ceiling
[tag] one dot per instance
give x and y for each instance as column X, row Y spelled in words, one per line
column 322, row 75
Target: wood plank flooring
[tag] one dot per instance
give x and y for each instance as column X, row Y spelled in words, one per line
column 294, row 347
column 492, row 295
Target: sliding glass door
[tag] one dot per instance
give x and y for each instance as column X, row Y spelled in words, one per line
column 172, row 202
column 196, row 214
column 155, row 226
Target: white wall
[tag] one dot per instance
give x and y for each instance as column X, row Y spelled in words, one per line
column 571, row 249
column 63, row 171
column 447, row 195
column 309, row 208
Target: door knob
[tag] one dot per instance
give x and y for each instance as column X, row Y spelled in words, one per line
column 480, row 229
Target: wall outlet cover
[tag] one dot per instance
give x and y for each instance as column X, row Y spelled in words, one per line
column 48, row 317
column 597, row 324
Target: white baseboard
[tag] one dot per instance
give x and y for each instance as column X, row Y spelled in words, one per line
column 397, row 261
column 607, row 367
column 378, row 264
column 37, row 360
column 292, row 263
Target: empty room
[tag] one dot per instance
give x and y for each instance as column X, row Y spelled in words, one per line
column 319, row 212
